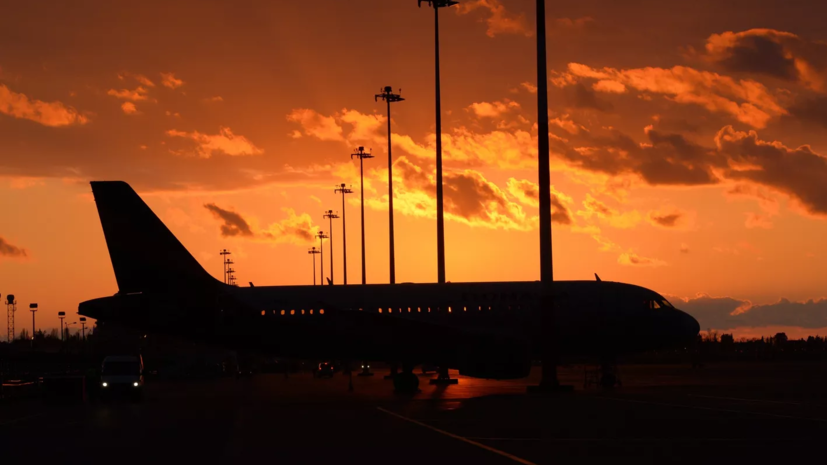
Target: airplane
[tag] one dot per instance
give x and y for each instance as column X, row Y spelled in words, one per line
column 483, row 329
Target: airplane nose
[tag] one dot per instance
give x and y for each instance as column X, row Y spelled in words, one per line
column 689, row 325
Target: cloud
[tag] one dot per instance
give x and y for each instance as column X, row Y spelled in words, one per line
column 169, row 80
column 799, row 173
column 670, row 218
column 129, row 108
column 811, row 110
column 580, row 96
column 233, row 224
column 684, row 248
column 52, row 114
column 223, row 142
column 295, row 229
column 493, row 109
column 633, row 259
column 757, row 220
column 747, row 100
column 779, row 54
column 144, row 80
column 316, row 125
column 9, row 250
column 132, row 95
column 531, row 88
column 528, row 193
column 607, row 215
column 725, row 313
column 499, row 21
column 215, row 99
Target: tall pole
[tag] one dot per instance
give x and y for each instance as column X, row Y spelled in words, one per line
column 360, row 152
column 313, row 252
column 322, row 236
column 83, row 327
column 61, row 315
column 329, row 214
column 388, row 96
column 33, row 309
column 549, row 350
column 440, row 220
column 344, row 190
column 225, row 259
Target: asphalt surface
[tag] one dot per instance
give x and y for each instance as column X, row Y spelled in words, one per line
column 717, row 414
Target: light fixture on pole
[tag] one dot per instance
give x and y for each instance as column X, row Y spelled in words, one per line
column 331, row 216
column 61, row 315
column 83, row 327
column 388, row 96
column 360, row 152
column 313, row 252
column 33, row 309
column 226, row 260
column 11, row 308
column 440, row 220
column 322, row 236
column 344, row 190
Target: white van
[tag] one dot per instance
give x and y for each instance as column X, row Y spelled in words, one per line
column 124, row 373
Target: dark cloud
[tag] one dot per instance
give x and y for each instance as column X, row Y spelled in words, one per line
column 560, row 214
column 234, row 224
column 760, row 54
column 800, row 172
column 668, row 220
column 811, row 110
column 9, row 250
column 580, row 96
column 724, row 313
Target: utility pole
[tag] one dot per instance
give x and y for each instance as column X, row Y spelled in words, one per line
column 83, row 327
column 322, row 236
column 61, row 315
column 440, row 221
column 11, row 307
column 33, row 309
column 332, row 216
column 313, row 252
column 360, row 152
column 344, row 190
column 388, row 96
column 226, row 260
column 549, row 380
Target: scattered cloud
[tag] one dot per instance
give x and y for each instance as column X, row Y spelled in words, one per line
column 136, row 95
column 607, row 215
column 531, row 88
column 670, row 218
column 144, row 80
column 215, row 99
column 295, row 229
column 499, row 20
column 316, row 125
column 129, row 108
column 233, row 223
column 747, row 100
column 493, row 109
column 224, row 142
column 169, row 80
column 52, row 114
column 633, row 259
column 684, row 248
column 725, row 313
column 11, row 251
column 528, row 193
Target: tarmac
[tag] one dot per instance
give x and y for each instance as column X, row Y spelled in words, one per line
column 723, row 413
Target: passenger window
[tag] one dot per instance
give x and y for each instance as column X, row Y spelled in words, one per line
column 282, row 312
column 321, row 312
column 311, row 311
column 667, row 304
column 292, row 312
column 654, row 304
column 263, row 312
column 380, row 310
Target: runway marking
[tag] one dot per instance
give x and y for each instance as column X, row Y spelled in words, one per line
column 9, row 422
column 460, row 438
column 748, row 400
column 695, row 407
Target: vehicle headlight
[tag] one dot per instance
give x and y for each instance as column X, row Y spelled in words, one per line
column 104, row 384
column 135, row 384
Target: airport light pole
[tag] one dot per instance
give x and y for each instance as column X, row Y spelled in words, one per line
column 549, row 380
column 33, row 309
column 83, row 327
column 360, row 152
column 440, row 220
column 388, row 96
column 322, row 236
column 313, row 252
column 226, row 260
column 331, row 216
column 61, row 315
column 344, row 190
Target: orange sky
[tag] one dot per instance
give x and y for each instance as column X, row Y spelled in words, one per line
column 687, row 140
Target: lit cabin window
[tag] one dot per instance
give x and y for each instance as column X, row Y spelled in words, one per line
column 311, row 311
column 418, row 309
column 380, row 310
column 449, row 309
column 302, row 311
column 292, row 312
column 666, row 303
column 480, row 308
column 321, row 311
column 263, row 312
column 390, row 310
column 464, row 309
column 653, row 304
column 429, row 309
column 282, row 312
column 489, row 308
column 360, row 309
column 409, row 309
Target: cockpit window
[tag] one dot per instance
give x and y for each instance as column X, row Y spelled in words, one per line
column 653, row 304
column 666, row 304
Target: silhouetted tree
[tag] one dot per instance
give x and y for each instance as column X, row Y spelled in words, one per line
column 24, row 335
column 780, row 339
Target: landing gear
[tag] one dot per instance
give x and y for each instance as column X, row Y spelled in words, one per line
column 443, row 377
column 406, row 382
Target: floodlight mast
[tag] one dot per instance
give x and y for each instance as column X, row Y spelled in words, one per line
column 313, row 252
column 360, row 152
column 332, row 216
column 342, row 189
column 388, row 96
column 440, row 214
column 322, row 236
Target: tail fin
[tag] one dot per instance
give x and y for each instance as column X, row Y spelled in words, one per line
column 146, row 256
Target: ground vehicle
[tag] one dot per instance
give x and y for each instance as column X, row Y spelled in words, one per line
column 324, row 370
column 122, row 374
